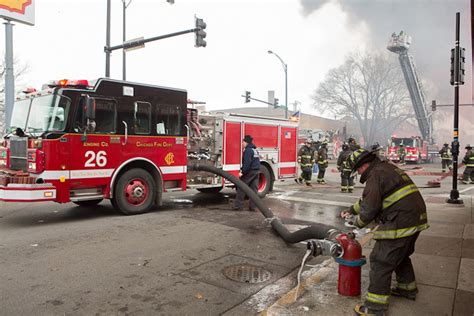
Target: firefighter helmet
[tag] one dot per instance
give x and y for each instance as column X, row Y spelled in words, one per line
column 445, row 144
column 345, row 146
column 359, row 157
column 468, row 146
column 324, row 142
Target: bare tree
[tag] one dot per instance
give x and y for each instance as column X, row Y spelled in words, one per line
column 369, row 88
column 19, row 69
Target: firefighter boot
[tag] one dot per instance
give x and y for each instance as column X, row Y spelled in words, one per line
column 308, row 183
column 360, row 309
column 299, row 180
column 344, row 189
column 351, row 189
column 411, row 295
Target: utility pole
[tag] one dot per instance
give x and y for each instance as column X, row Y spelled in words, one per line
column 9, row 77
column 107, row 43
column 456, row 79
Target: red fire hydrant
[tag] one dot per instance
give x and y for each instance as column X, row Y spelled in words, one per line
column 349, row 265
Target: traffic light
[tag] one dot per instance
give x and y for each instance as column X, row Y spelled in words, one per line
column 433, row 105
column 247, row 96
column 276, row 103
column 462, row 60
column 199, row 32
column 461, row 64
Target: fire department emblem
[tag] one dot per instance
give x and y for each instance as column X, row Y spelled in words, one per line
column 169, row 159
column 15, row 5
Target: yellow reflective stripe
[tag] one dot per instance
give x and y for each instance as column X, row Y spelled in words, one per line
column 377, row 298
column 306, row 156
column 407, row 286
column 399, row 233
column 398, row 195
column 356, row 207
column 359, row 222
column 306, row 164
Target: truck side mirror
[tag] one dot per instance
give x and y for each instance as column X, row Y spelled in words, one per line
column 90, row 108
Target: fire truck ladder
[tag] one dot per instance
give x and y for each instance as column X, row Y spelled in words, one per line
column 399, row 44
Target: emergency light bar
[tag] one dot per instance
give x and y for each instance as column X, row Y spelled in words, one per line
column 82, row 83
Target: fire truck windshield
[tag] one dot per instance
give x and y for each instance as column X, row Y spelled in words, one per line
column 40, row 114
column 407, row 142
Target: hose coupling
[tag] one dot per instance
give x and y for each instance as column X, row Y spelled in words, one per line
column 323, row 247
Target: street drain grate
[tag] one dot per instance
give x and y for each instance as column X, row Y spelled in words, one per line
column 246, row 273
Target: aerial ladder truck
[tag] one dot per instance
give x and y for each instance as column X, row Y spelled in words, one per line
column 416, row 147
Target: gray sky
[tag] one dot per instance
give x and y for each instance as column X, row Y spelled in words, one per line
column 311, row 36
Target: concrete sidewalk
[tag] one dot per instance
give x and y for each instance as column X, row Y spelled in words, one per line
column 443, row 262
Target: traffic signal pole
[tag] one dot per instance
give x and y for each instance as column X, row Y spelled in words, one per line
column 454, row 195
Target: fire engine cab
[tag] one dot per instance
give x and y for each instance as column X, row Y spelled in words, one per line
column 416, row 149
column 82, row 142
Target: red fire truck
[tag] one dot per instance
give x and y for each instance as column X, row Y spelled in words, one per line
column 416, row 149
column 83, row 142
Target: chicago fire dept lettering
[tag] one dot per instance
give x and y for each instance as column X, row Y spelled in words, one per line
column 169, row 159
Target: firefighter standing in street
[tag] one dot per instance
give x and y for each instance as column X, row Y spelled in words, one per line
column 446, row 157
column 322, row 162
column 248, row 173
column 468, row 160
column 392, row 199
column 306, row 162
column 401, row 154
column 347, row 181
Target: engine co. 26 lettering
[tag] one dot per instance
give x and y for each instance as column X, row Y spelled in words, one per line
column 94, row 159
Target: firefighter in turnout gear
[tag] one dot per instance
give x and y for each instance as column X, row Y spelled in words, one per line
column 392, row 200
column 322, row 161
column 446, row 157
column 468, row 160
column 353, row 146
column 306, row 161
column 401, row 154
column 347, row 181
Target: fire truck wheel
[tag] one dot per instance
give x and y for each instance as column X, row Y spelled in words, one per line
column 88, row 203
column 135, row 192
column 264, row 181
column 210, row 190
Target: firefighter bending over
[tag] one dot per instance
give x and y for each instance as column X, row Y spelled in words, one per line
column 391, row 199
column 322, row 161
column 468, row 160
column 347, row 181
column 306, row 162
column 446, row 157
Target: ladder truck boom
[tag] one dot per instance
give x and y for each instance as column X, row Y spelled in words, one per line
column 399, row 44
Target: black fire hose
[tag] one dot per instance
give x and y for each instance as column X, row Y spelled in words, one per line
column 316, row 231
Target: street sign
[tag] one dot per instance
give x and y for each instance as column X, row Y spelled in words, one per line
column 22, row 11
column 133, row 44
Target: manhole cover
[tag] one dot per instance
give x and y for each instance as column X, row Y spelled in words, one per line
column 247, row 273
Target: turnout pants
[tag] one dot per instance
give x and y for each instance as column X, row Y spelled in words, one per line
column 390, row 255
column 468, row 174
column 306, row 173
column 446, row 163
column 347, row 182
column 250, row 179
column 322, row 171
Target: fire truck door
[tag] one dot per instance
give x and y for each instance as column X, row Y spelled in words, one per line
column 95, row 148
